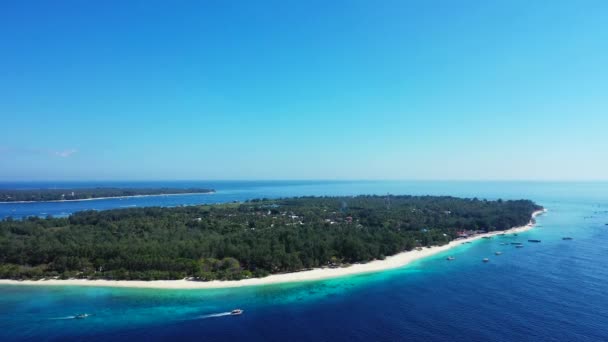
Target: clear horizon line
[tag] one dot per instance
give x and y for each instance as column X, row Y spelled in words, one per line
column 307, row 180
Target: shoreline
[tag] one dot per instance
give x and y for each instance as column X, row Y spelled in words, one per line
column 104, row 198
column 391, row 262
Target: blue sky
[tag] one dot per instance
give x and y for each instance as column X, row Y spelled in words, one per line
column 303, row 90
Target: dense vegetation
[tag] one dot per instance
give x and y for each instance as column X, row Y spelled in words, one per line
column 39, row 195
column 239, row 240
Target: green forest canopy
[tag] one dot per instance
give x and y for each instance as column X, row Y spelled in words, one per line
column 242, row 240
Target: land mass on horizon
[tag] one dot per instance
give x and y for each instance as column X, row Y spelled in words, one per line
column 244, row 240
column 81, row 194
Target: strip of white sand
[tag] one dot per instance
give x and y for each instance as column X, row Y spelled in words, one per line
column 391, row 262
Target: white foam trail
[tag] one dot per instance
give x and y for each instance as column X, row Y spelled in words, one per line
column 215, row 315
column 72, row 317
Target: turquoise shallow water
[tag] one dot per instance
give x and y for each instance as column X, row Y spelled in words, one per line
column 552, row 291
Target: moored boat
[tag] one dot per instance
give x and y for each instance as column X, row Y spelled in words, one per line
column 519, row 246
column 485, row 260
column 498, row 253
column 450, row 258
column 566, row 238
column 533, row 240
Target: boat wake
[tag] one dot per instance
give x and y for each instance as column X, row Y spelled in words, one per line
column 61, row 318
column 79, row 316
column 221, row 314
column 66, row 317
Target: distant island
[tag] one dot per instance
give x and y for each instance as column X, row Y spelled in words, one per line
column 245, row 240
column 80, row 194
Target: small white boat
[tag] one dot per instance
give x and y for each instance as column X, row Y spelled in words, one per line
column 486, row 260
column 82, row 316
column 498, row 253
column 450, row 258
column 236, row 312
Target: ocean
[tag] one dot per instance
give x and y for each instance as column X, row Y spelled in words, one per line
column 555, row 290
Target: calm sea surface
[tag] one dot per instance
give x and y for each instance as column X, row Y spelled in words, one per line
column 553, row 291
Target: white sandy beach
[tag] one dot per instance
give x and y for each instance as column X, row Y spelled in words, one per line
column 391, row 262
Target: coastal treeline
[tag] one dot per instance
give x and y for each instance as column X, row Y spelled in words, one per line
column 242, row 240
column 40, row 195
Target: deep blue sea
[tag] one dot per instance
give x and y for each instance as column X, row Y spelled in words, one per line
column 552, row 291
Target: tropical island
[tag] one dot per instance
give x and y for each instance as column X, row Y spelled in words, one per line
column 80, row 194
column 237, row 241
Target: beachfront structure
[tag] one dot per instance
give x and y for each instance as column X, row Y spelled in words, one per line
column 467, row 233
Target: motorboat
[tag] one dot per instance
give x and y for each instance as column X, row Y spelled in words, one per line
column 236, row 312
column 498, row 253
column 486, row 260
column 82, row 316
column 450, row 258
